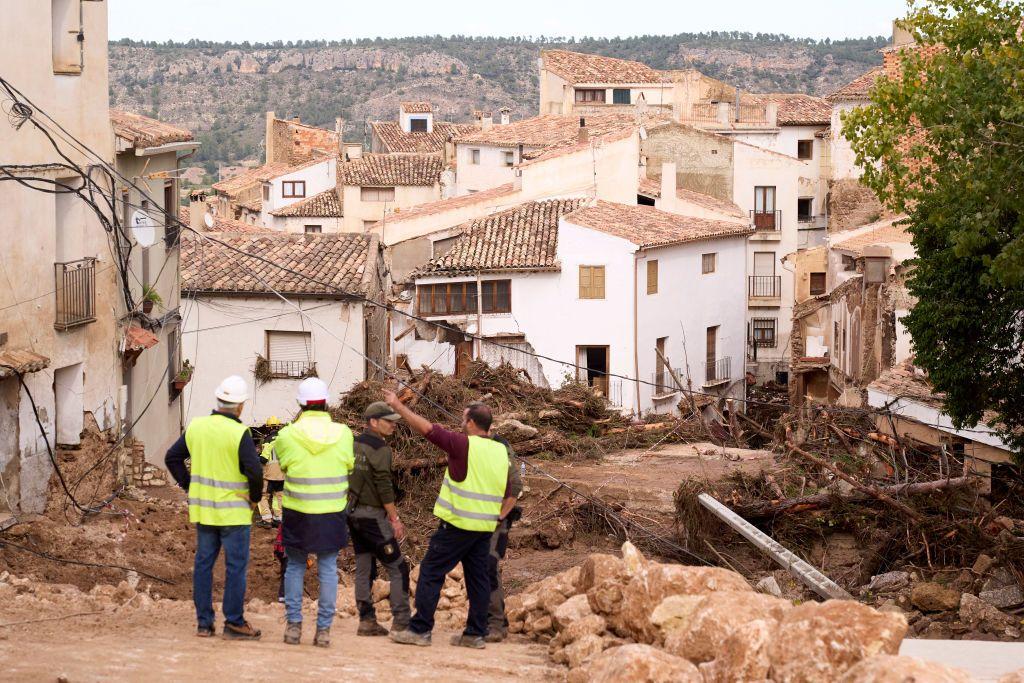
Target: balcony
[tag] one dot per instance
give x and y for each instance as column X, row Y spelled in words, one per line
column 767, row 225
column 75, row 289
column 292, row 369
column 726, row 115
column 717, row 372
column 765, row 290
column 664, row 385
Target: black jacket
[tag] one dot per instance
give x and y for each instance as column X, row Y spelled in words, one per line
column 249, row 463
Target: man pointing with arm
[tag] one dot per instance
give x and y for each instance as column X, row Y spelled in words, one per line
column 475, row 496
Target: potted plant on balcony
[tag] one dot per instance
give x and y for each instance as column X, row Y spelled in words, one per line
column 149, row 298
column 184, row 376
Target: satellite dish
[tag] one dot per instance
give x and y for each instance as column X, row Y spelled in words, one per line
column 143, row 228
column 208, row 221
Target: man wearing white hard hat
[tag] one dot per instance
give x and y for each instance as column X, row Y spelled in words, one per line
column 316, row 457
column 224, row 481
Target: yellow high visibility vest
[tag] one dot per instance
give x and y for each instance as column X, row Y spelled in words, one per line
column 316, row 457
column 218, row 493
column 475, row 503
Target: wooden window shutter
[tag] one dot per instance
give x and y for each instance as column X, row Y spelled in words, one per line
column 585, row 282
column 652, row 277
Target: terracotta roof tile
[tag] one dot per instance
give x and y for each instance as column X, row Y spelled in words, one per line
column 886, row 231
column 652, row 188
column 649, row 227
column 138, row 339
column 397, row 141
column 857, row 90
column 220, row 224
column 339, row 260
column 299, row 142
column 453, row 203
column 796, row 109
column 142, row 131
column 573, row 146
column 391, row 169
column 577, row 67
column 524, row 237
column 546, row 130
column 22, row 360
column 254, row 176
column 416, row 107
column 905, row 381
column 324, row 205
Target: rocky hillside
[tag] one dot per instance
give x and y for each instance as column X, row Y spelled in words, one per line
column 221, row 91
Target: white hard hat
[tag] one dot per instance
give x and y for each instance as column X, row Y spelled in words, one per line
column 233, row 390
column 312, row 390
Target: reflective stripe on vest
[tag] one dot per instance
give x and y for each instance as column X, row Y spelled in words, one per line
column 475, row 503
column 218, row 492
column 316, row 456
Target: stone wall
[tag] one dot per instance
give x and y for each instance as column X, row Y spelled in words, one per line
column 704, row 163
column 851, row 205
column 133, row 470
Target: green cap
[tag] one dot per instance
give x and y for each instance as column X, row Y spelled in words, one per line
column 381, row 411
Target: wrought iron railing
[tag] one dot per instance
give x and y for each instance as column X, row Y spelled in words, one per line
column 718, row 371
column 292, row 369
column 663, row 382
column 765, row 286
column 76, row 293
column 766, row 221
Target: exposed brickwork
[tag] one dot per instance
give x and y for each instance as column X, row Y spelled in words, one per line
column 851, row 205
column 296, row 143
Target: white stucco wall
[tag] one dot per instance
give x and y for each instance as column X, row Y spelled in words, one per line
column 298, row 225
column 318, row 178
column 357, row 212
column 232, row 331
column 490, row 172
column 844, row 161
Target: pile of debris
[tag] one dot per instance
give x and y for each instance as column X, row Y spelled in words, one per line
column 632, row 619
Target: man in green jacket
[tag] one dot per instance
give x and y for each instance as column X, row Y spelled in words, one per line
column 316, row 457
column 373, row 520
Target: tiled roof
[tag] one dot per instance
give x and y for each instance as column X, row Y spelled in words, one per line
column 857, row 90
column 574, row 146
column 142, row 131
column 396, row 140
column 904, row 381
column 652, row 188
column 337, row 260
column 576, row 67
column 220, row 224
column 138, row 339
column 524, row 237
column 649, row 227
column 324, row 205
column 546, row 130
column 796, row 109
column 255, row 204
column 22, row 360
column 824, row 133
column 887, row 231
column 297, row 142
column 416, row 107
column 246, row 179
column 391, row 169
column 453, row 203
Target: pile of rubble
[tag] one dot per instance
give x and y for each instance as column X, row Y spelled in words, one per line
column 633, row 619
column 35, row 600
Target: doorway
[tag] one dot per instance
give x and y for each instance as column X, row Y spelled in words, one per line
column 594, row 366
column 69, row 413
column 463, row 357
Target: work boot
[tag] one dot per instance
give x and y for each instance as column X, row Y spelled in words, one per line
column 370, row 627
column 463, row 640
column 243, row 631
column 293, row 633
column 495, row 635
column 205, row 631
column 408, row 637
column 322, row 637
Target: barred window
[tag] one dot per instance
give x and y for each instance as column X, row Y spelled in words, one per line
column 764, row 332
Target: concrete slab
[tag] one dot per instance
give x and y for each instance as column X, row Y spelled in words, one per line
column 986, row 661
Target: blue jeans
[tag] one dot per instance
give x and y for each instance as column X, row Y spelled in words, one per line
column 209, row 540
column 327, row 570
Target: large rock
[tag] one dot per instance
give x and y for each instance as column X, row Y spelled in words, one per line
column 887, row 582
column 818, row 642
column 934, row 597
column 744, row 656
column 636, row 663
column 769, row 586
column 599, row 571
column 572, row 610
column 1007, row 596
column 893, row 669
column 514, row 430
column 581, row 651
column 978, row 614
column 674, row 611
column 703, row 636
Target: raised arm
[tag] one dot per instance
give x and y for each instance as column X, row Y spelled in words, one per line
column 416, row 422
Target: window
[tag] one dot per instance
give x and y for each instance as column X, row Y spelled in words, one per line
column 805, row 149
column 805, row 209
column 509, row 158
column 620, row 96
column 708, row 263
column 662, row 375
column 817, row 283
column 290, row 354
column 314, row 229
column 764, row 332
column 474, row 156
column 292, row 189
column 495, row 296
column 594, row 95
column 593, row 366
column 874, row 270
column 418, row 125
column 459, row 298
column 173, row 358
column 377, row 194
column 66, row 32
column 171, row 226
column 764, row 208
column 266, row 192
column 652, row 276
column 591, row 282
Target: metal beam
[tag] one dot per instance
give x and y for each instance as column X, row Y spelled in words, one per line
column 807, row 575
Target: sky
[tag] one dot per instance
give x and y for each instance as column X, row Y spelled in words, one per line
column 270, row 20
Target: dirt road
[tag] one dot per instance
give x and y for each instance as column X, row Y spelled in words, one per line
column 158, row 644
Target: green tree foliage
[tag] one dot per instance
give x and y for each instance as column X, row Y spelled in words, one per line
column 945, row 145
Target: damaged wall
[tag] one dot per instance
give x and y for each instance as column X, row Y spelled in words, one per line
column 704, row 162
column 851, row 205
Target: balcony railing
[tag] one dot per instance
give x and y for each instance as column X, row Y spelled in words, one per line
column 718, row 371
column 766, row 286
column 292, row 369
column 76, row 293
column 663, row 382
column 766, row 221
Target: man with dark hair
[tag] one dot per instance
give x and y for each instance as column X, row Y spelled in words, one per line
column 475, row 498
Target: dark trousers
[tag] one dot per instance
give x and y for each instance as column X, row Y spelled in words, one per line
column 209, row 541
column 448, row 547
column 496, row 619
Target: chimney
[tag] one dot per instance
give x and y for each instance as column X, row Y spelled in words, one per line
column 901, row 34
column 478, row 117
column 296, row 119
column 486, row 121
column 339, row 128
column 197, row 209
column 668, row 184
column 583, row 135
column 771, row 114
column 269, row 135
column 505, row 111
